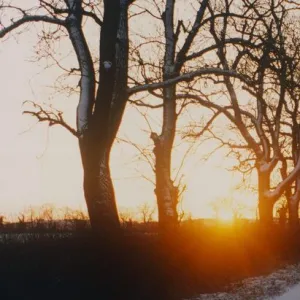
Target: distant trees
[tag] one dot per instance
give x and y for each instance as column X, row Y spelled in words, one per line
column 228, row 209
column 46, row 219
column 146, row 212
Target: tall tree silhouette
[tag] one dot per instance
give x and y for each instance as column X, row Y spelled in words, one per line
column 100, row 109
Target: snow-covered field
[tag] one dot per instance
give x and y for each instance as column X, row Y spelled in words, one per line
column 284, row 284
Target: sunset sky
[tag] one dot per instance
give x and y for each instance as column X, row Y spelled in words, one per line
column 40, row 165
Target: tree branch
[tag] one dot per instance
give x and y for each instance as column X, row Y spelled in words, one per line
column 52, row 117
column 28, row 19
column 189, row 77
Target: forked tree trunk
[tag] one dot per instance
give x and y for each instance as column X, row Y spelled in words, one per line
column 265, row 204
column 166, row 192
column 109, row 108
column 99, row 117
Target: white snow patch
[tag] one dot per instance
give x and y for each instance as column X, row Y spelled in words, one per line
column 262, row 287
column 292, row 294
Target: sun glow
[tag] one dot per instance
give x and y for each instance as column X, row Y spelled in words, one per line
column 226, row 216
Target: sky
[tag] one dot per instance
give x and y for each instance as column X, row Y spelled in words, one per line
column 41, row 165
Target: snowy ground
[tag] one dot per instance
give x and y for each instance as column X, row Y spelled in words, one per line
column 292, row 294
column 23, row 238
column 284, row 284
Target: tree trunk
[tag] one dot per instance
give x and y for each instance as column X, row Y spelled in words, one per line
column 166, row 192
column 265, row 205
column 293, row 203
column 293, row 206
column 98, row 186
column 100, row 198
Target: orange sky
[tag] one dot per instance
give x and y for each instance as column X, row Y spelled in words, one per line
column 43, row 166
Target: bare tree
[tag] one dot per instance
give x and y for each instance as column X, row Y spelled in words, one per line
column 146, row 212
column 99, row 112
column 262, row 52
column 292, row 134
column 171, row 67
